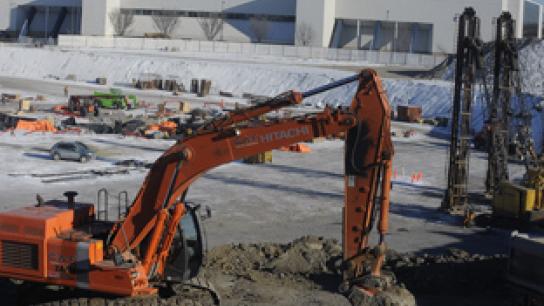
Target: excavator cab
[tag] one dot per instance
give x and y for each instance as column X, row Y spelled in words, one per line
column 187, row 253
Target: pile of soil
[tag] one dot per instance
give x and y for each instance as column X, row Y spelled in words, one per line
column 306, row 272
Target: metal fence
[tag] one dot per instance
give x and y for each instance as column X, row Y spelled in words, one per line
column 331, row 54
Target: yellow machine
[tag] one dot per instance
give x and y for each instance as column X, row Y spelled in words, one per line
column 524, row 202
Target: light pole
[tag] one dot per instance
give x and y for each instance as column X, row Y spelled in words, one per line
column 222, row 19
column 46, row 22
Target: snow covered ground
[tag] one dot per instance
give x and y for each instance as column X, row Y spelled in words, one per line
column 296, row 195
column 259, row 76
column 26, row 163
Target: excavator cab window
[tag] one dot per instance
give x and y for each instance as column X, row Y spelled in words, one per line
column 188, row 249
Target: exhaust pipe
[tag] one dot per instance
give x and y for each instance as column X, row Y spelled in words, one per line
column 71, row 195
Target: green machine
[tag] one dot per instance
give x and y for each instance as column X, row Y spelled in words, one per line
column 115, row 99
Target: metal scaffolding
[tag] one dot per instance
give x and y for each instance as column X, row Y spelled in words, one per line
column 469, row 62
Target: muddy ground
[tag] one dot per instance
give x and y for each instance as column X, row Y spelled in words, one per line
column 305, row 272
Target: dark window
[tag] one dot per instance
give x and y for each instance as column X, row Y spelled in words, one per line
column 202, row 14
column 82, row 145
column 530, row 20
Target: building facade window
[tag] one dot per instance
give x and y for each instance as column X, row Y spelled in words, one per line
column 408, row 37
column 531, row 14
column 202, row 14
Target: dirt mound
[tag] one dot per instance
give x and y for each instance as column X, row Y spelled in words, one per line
column 309, row 265
column 305, row 272
column 304, row 256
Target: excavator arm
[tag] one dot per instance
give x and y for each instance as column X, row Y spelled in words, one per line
column 368, row 166
column 148, row 227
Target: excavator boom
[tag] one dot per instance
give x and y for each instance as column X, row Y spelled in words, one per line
column 368, row 154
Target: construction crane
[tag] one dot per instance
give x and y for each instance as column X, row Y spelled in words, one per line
column 63, row 243
column 469, row 57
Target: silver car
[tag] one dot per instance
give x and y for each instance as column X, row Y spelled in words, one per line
column 73, row 150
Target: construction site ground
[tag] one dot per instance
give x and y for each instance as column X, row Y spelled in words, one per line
column 260, row 212
column 295, row 196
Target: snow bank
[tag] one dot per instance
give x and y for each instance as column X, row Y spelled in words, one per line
column 121, row 68
column 258, row 78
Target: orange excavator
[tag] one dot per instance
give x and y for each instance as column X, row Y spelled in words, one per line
column 160, row 238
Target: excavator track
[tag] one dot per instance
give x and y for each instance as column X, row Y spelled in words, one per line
column 195, row 292
column 204, row 284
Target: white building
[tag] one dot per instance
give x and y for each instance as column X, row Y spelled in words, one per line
column 40, row 18
column 418, row 26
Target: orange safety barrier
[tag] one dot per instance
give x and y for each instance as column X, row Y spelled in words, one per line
column 59, row 108
column 153, row 127
column 297, row 148
column 35, row 126
column 166, row 126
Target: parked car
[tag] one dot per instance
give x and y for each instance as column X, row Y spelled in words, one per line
column 73, row 150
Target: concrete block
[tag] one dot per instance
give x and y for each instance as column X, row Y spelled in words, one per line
column 220, row 47
column 178, row 45
column 171, row 44
column 249, row 48
column 261, row 49
column 276, row 50
column 72, row 41
column 149, row 44
column 399, row 58
column 413, row 60
column 290, row 51
column 304, row 52
column 427, row 61
column 192, row 45
column 65, row 41
column 384, row 58
column 358, row 55
column 206, row 46
column 98, row 42
column 127, row 43
column 372, row 56
column 234, row 48
column 331, row 54
column 319, row 53
column 343, row 55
